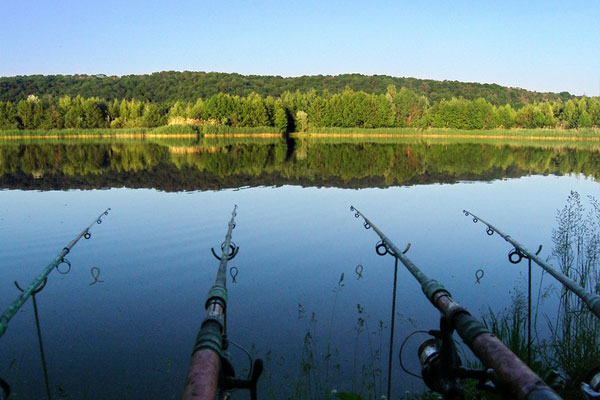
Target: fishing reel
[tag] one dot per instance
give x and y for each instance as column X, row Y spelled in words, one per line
column 229, row 382
column 441, row 366
column 227, row 379
column 591, row 390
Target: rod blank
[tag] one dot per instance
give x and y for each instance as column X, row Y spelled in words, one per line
column 202, row 381
column 591, row 300
column 37, row 282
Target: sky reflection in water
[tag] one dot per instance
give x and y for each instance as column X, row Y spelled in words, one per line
column 136, row 329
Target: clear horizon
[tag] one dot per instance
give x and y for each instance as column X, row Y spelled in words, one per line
column 543, row 46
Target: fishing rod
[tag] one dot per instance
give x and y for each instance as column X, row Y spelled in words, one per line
column 439, row 358
column 211, row 374
column 40, row 280
column 519, row 252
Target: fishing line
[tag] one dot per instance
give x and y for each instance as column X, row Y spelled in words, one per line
column 402, row 349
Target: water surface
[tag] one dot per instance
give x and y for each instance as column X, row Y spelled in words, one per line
column 171, row 203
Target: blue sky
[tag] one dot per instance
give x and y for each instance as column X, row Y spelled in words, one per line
column 536, row 45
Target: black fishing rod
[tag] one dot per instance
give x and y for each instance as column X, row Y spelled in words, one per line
column 441, row 365
column 591, row 300
column 43, row 276
column 211, row 374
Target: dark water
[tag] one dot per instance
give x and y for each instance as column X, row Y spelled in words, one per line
column 131, row 335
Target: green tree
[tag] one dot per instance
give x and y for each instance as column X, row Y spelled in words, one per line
column 197, row 110
column 544, row 117
column 317, row 112
column 506, row 116
column 594, row 110
column 302, row 118
column 95, row 113
column 281, row 120
column 220, row 107
column 253, row 111
column 152, row 116
column 113, row 110
column 480, row 115
column 408, row 105
column 568, row 117
column 26, row 113
column 584, row 121
column 177, row 111
column 8, row 116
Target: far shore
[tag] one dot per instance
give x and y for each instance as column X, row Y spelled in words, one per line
column 588, row 134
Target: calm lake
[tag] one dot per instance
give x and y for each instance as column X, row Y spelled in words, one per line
column 130, row 334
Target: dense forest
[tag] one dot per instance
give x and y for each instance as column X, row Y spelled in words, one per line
column 170, row 86
column 297, row 112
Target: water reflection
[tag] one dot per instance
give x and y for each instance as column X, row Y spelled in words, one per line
column 210, row 165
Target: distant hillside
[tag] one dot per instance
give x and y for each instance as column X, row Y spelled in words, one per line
column 170, row 86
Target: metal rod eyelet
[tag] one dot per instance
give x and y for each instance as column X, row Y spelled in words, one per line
column 233, row 250
column 515, row 256
column 64, row 261
column 381, row 249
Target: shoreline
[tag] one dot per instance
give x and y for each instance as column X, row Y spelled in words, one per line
column 549, row 135
column 445, row 136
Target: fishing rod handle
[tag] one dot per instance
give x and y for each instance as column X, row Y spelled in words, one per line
column 202, row 381
column 523, row 383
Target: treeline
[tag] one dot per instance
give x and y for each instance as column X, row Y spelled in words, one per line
column 81, row 113
column 170, row 86
column 298, row 111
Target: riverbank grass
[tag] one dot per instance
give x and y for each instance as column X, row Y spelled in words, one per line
column 587, row 134
column 525, row 134
column 135, row 133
